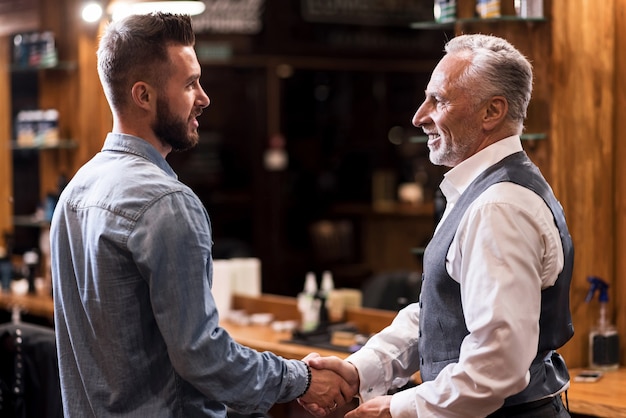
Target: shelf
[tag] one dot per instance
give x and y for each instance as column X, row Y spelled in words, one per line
column 433, row 25
column 453, row 23
column 62, row 144
column 506, row 18
column 422, row 139
column 59, row 65
column 425, row 209
column 30, row 221
column 533, row 137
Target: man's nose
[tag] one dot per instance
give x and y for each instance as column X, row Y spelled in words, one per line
column 419, row 118
column 203, row 100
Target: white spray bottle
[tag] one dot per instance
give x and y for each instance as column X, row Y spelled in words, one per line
column 309, row 304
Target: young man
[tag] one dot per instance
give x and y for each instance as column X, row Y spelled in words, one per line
column 136, row 324
column 494, row 304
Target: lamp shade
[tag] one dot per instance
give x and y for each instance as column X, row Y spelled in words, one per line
column 121, row 9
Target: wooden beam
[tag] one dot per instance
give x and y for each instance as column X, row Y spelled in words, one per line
column 619, row 291
column 6, row 162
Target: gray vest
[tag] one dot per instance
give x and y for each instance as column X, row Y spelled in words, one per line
column 442, row 325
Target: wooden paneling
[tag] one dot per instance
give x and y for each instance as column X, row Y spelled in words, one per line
column 582, row 140
column 58, row 90
column 6, row 209
column 619, row 292
column 388, row 240
column 532, row 40
column 95, row 119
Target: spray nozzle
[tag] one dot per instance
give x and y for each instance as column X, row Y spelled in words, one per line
column 597, row 285
column 310, row 284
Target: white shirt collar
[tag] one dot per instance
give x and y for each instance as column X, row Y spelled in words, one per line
column 460, row 177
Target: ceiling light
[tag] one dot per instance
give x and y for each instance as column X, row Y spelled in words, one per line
column 121, row 9
column 92, row 11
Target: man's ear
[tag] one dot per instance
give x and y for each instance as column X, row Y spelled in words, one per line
column 143, row 95
column 495, row 112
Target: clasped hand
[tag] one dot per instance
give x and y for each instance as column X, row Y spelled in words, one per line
column 334, row 383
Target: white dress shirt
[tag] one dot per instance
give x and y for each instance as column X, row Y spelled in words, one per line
column 506, row 250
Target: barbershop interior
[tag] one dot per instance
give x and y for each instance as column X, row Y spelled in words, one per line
column 313, row 176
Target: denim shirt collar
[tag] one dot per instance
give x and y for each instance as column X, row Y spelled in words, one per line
column 134, row 145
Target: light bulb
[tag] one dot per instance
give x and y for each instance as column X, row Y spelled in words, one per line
column 92, row 12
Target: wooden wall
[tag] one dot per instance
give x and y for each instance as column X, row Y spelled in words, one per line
column 583, row 140
column 96, row 120
column 6, row 210
column 619, row 170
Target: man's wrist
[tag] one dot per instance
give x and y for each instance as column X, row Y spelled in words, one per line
column 309, row 377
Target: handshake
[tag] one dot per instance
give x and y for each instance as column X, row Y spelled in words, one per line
column 334, row 382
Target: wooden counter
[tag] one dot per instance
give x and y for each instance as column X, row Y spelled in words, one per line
column 263, row 338
column 604, row 398
column 32, row 304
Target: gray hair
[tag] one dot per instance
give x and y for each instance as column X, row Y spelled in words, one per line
column 497, row 68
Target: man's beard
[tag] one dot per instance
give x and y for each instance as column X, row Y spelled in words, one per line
column 172, row 130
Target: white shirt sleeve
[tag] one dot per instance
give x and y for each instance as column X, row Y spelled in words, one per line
column 507, row 249
column 389, row 358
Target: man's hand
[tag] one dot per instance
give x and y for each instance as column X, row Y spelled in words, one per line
column 334, row 383
column 379, row 407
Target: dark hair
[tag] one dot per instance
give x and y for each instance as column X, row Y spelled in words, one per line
column 135, row 49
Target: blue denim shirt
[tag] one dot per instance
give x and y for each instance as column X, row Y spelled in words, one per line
column 137, row 328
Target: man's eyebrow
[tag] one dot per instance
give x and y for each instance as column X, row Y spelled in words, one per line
column 193, row 77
